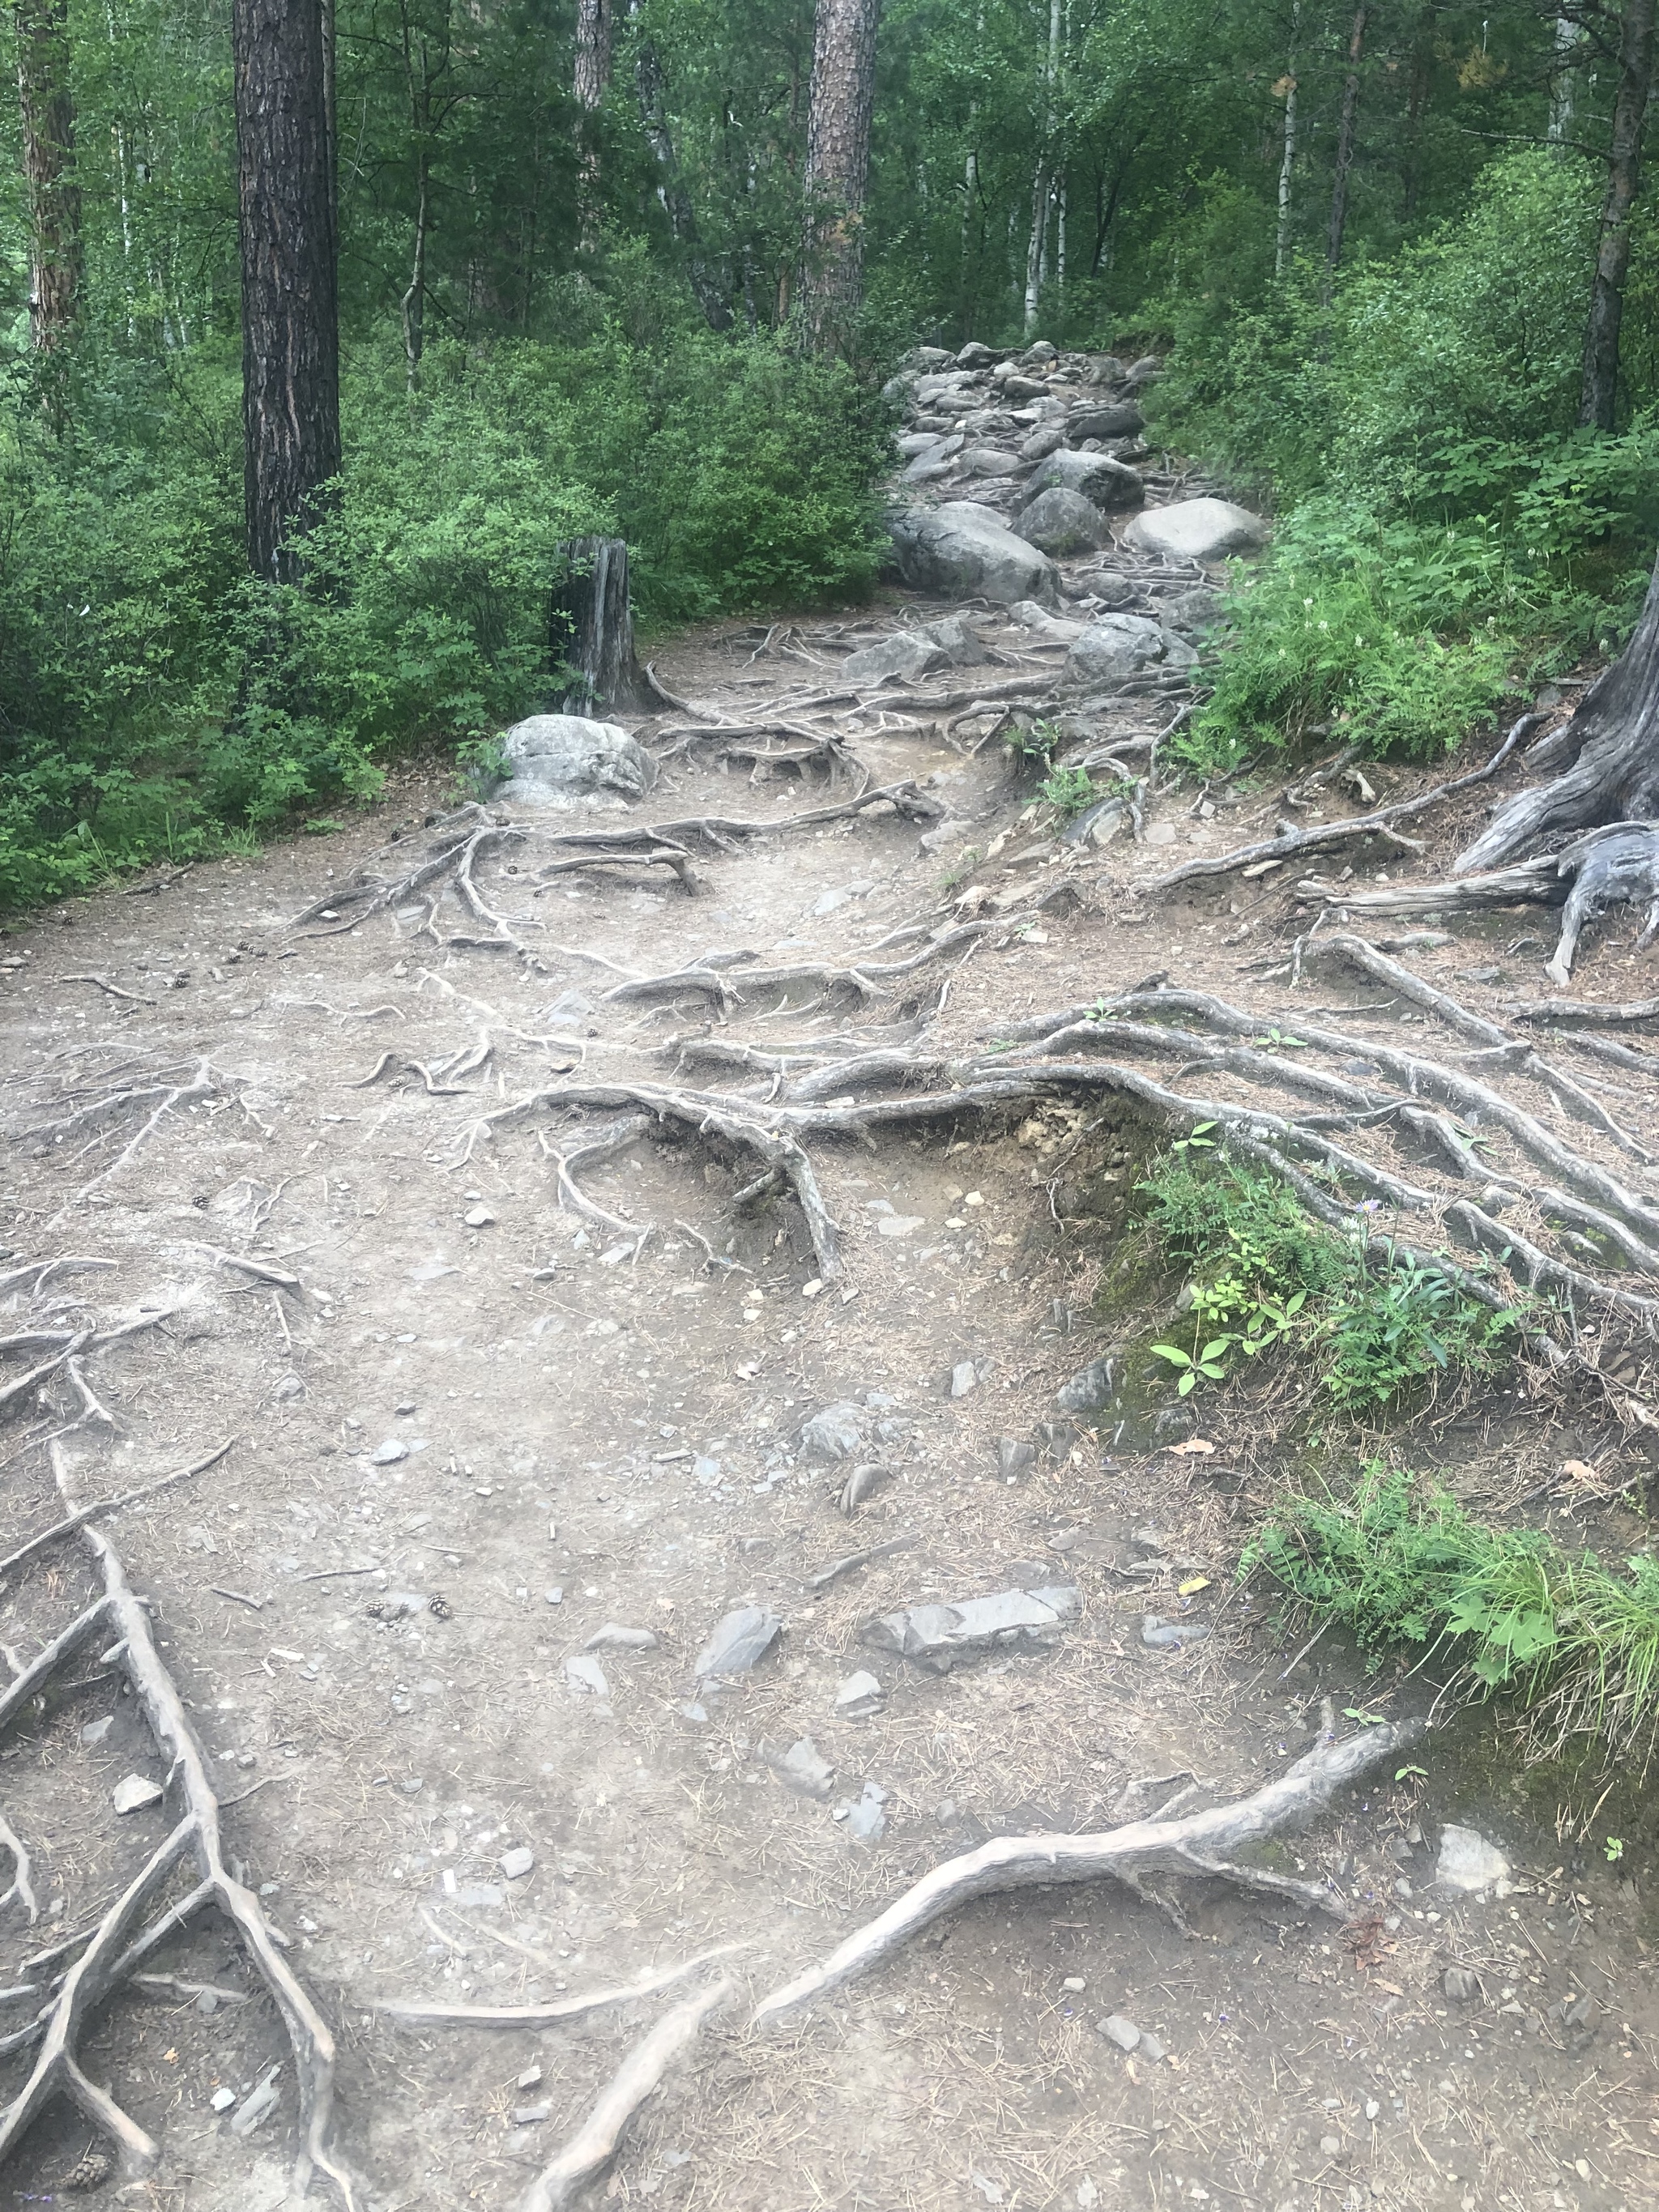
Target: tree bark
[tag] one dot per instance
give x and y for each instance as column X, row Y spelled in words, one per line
column 1599, row 396
column 1287, row 159
column 593, row 28
column 47, row 106
column 1613, row 742
column 591, row 630
column 1345, row 140
column 290, row 312
column 840, row 103
column 1563, row 81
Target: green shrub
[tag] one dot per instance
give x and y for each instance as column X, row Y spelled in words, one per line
column 1399, row 1561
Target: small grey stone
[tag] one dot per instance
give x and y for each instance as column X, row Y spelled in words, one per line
column 289, row 1387
column 1014, row 1456
column 1468, row 1861
column 554, row 1596
column 833, row 1432
column 529, row 2078
column 1460, row 1983
column 859, row 1695
column 586, row 1676
column 133, row 1792
column 1117, row 2028
column 613, row 1636
column 477, row 1216
column 804, row 1768
column 1161, row 1635
column 517, row 1863
column 223, row 2100
column 530, row 2116
column 1088, row 1391
column 739, row 1641
column 1330, row 2145
column 411, row 1785
column 385, row 1455
column 1150, row 2046
column 866, row 1822
column 95, row 1731
column 480, row 1896
column 258, row 2105
column 936, row 1636
column 964, row 1377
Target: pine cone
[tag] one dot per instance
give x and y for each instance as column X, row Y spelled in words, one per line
column 92, row 2172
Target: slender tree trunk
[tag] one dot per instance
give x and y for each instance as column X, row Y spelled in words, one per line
column 413, row 311
column 1563, row 82
column 1345, row 139
column 119, row 137
column 1036, row 258
column 1417, row 101
column 1599, row 396
column 840, row 101
column 710, row 284
column 1034, row 248
column 593, row 24
column 47, row 106
column 290, row 312
column 1287, row 159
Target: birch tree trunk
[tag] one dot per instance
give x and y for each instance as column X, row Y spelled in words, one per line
column 290, row 312
column 1600, row 395
column 1563, row 82
column 840, row 100
column 1287, row 159
column 48, row 107
column 708, row 284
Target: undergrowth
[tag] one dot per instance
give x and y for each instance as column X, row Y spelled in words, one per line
column 1263, row 1275
column 1398, row 1562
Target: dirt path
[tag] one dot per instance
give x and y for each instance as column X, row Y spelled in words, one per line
column 486, row 1428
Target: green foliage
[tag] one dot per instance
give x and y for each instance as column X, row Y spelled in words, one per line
column 1399, row 1561
column 1261, row 1273
column 1069, row 791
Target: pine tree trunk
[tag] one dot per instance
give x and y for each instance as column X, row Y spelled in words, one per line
column 1600, row 396
column 708, row 283
column 48, row 107
column 290, row 315
column 1345, row 131
column 593, row 24
column 590, row 631
column 839, row 107
column 1613, row 742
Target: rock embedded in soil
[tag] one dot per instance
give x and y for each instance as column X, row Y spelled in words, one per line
column 833, row 1431
column 518, row 1862
column 1112, row 648
column 1460, row 1983
column 961, row 550
column 1197, row 529
column 1118, row 2028
column 865, row 1815
column 909, row 655
column 586, row 1676
column 95, row 1731
column 554, row 759
column 937, row 1636
column 740, row 1641
column 1161, row 1635
column 803, row 1767
column 1468, row 1861
column 614, row 1637
column 134, row 1792
column 1110, row 483
column 1088, row 1391
column 1060, row 522
column 859, row 1695
column 387, row 1453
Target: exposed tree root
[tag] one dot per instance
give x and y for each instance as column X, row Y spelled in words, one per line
column 1203, row 1844
column 21, row 1885
column 730, row 981
column 1533, row 881
column 112, row 1951
column 591, row 2149
column 1582, row 1009
column 72, row 1345
column 548, row 2015
column 1290, row 841
column 154, row 1097
column 600, row 1144
column 82, row 1514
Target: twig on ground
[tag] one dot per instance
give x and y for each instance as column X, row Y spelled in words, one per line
column 544, row 2015
column 82, row 1514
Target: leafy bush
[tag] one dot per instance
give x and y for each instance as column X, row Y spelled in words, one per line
column 1399, row 1561
column 1261, row 1272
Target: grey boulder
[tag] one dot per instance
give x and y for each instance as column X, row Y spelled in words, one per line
column 740, row 1640
column 937, row 1636
column 1108, row 483
column 1197, row 611
column 1112, row 648
column 1046, row 439
column 909, row 654
column 991, row 461
column 956, row 639
column 1123, row 420
column 833, row 1431
column 1060, row 522
column 553, row 758
column 962, row 550
column 1197, row 529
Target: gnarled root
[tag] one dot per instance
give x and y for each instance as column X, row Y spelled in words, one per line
column 112, row 1949
column 591, row 2149
column 1205, row 1843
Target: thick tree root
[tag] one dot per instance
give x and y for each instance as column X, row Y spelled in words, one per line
column 1203, row 1844
column 112, row 1951
column 550, row 2015
column 591, row 2149
column 153, row 1099
column 1290, row 841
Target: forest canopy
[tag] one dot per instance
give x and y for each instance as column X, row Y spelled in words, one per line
column 645, row 269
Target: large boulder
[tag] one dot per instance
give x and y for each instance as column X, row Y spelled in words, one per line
column 1110, row 483
column 555, row 759
column 1061, row 522
column 907, row 654
column 1122, row 420
column 1112, row 648
column 1046, row 439
column 1197, row 529
column 956, row 639
column 991, row 461
column 962, row 550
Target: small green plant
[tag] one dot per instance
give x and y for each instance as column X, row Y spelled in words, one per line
column 1039, row 742
column 1189, row 1366
column 1399, row 1561
column 1069, row 791
column 1614, row 1849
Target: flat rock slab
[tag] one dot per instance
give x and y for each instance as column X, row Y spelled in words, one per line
column 740, row 1641
column 1197, row 529
column 937, row 1636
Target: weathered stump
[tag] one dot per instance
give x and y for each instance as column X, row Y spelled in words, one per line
column 590, row 631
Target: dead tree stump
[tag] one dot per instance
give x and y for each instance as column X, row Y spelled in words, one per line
column 590, row 631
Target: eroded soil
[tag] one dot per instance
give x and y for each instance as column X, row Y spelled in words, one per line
column 588, row 1429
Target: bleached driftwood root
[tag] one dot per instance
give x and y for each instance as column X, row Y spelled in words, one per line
column 1206, row 1844
column 591, row 2149
column 133, row 1928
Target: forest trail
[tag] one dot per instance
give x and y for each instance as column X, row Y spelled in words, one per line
column 515, row 1430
